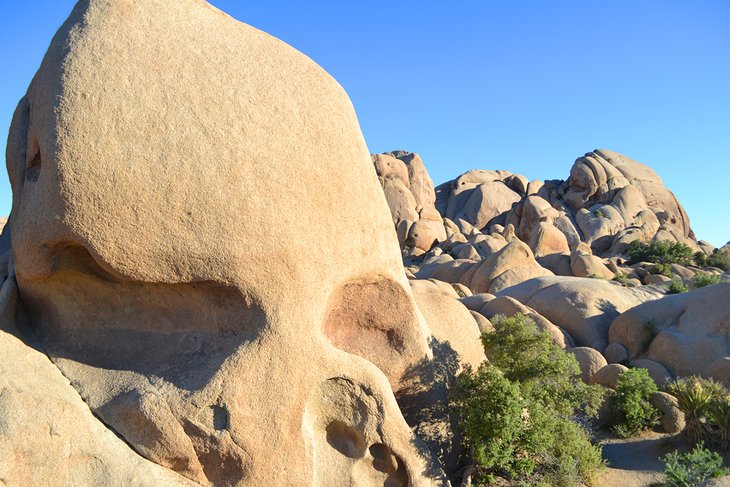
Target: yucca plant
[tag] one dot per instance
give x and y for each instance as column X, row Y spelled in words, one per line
column 718, row 415
column 695, row 395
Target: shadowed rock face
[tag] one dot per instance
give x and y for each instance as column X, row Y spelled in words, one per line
column 203, row 248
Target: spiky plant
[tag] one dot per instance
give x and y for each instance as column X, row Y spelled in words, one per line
column 695, row 395
column 718, row 415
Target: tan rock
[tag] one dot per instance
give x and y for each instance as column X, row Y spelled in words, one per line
column 657, row 371
column 455, row 342
column 683, row 332
column 608, row 375
column 48, row 436
column 547, row 240
column 672, row 418
column 488, row 201
column 616, row 353
column 476, row 302
column 151, row 163
column 586, row 265
column 585, row 308
column 511, row 265
column 485, row 326
column 590, row 361
column 656, row 279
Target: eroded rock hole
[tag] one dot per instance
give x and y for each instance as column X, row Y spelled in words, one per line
column 33, row 168
column 346, row 439
column 384, row 460
column 221, row 417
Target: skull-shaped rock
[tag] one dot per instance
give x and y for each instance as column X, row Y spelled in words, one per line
column 202, row 244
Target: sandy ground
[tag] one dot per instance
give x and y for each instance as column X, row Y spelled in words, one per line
column 635, row 462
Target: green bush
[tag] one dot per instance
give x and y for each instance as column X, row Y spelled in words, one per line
column 515, row 410
column 631, row 411
column 490, row 410
column 703, row 279
column 662, row 252
column 721, row 260
column 695, row 397
column 545, row 371
column 677, row 286
column 661, row 269
column 693, row 468
column 622, row 279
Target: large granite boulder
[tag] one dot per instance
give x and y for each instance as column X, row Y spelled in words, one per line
column 686, row 333
column 583, row 307
column 153, row 220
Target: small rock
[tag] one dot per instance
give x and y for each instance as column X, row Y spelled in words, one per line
column 590, row 361
column 672, row 419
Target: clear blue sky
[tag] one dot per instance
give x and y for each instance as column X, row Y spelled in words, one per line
column 526, row 86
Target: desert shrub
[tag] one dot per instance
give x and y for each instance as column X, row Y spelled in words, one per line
column 721, row 260
column 631, row 411
column 677, row 286
column 515, row 410
column 490, row 410
column 693, row 468
column 662, row 252
column 718, row 416
column 622, row 279
column 695, row 396
column 703, row 279
column 545, row 371
column 661, row 269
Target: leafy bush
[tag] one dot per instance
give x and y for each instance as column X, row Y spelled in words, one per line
column 703, row 279
column 490, row 410
column 693, row 468
column 677, row 286
column 662, row 252
column 514, row 411
column 545, row 371
column 622, row 279
column 661, row 269
column 630, row 408
column 721, row 260
column 695, row 396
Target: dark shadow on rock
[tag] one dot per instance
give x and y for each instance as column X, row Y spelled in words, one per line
column 425, row 406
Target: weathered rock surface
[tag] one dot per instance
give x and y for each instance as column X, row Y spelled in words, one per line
column 48, row 436
column 590, row 361
column 510, row 265
column 411, row 197
column 151, row 163
column 608, row 375
column 607, row 202
column 672, row 418
column 686, row 333
column 584, row 308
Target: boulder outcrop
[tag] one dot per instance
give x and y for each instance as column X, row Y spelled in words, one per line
column 585, row 308
column 686, row 333
column 151, row 165
column 411, row 197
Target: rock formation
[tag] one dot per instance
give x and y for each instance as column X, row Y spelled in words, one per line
column 410, row 195
column 152, row 224
column 687, row 333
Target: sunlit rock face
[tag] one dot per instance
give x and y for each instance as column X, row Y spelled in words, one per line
column 202, row 247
